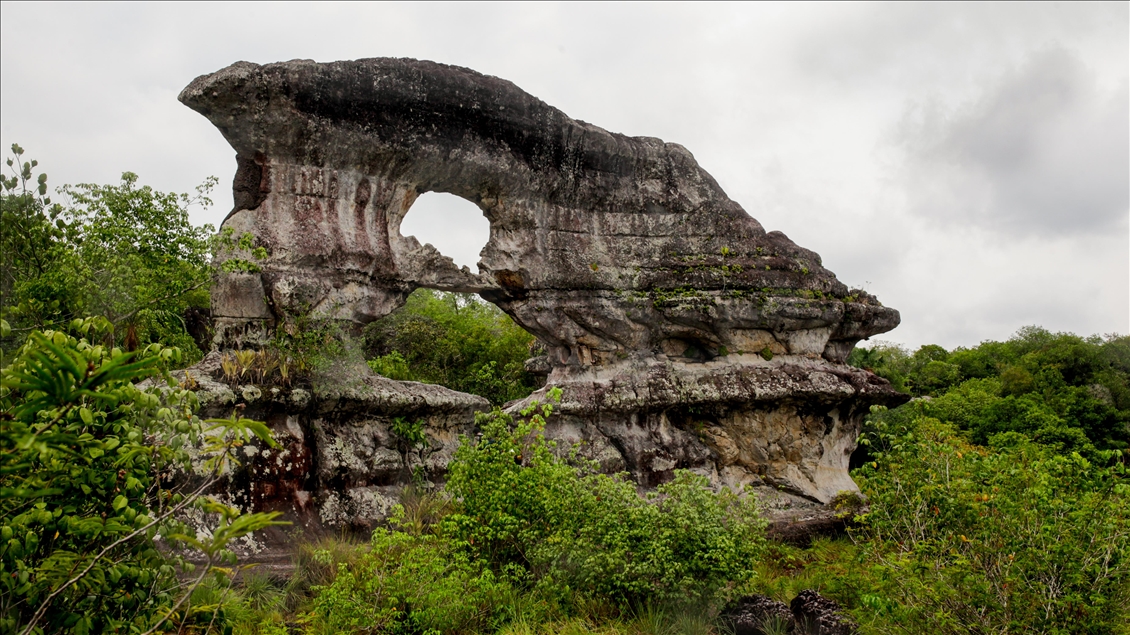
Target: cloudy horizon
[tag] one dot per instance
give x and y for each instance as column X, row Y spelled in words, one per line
column 968, row 164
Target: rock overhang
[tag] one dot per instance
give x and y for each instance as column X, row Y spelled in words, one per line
column 683, row 335
column 602, row 245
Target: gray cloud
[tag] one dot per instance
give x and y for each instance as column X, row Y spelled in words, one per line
column 924, row 44
column 794, row 108
column 1043, row 151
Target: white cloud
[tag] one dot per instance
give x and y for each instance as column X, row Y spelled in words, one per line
column 457, row 228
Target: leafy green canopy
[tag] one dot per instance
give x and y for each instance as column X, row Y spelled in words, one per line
column 86, row 490
column 1010, row 538
column 126, row 252
column 455, row 340
column 1058, row 388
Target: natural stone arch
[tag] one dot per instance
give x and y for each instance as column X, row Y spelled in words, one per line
column 683, row 334
column 604, row 246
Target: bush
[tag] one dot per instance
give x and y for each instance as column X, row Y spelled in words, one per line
column 569, row 529
column 407, row 583
column 86, row 458
column 1014, row 538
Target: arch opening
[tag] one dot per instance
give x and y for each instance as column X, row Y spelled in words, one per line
column 456, row 340
column 453, row 225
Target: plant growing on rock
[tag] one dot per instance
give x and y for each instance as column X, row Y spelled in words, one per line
column 410, row 437
column 266, row 366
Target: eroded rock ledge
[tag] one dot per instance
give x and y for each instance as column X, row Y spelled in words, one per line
column 683, row 334
column 786, row 427
column 339, row 464
column 602, row 245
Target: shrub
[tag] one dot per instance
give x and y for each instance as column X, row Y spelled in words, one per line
column 407, row 583
column 567, row 528
column 969, row 539
column 85, row 491
column 681, row 544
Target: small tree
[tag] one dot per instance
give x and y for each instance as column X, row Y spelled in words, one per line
column 90, row 533
column 29, row 240
column 126, row 252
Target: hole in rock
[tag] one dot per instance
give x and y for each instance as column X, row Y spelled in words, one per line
column 454, row 226
column 457, row 340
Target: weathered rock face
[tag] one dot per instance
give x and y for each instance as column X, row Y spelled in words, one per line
column 339, row 464
column 683, row 334
column 786, row 426
column 604, row 246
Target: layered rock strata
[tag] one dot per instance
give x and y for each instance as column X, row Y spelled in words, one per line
column 342, row 459
column 683, row 334
column 786, row 427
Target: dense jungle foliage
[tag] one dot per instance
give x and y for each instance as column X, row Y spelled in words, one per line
column 1060, row 389
column 455, row 340
column 124, row 252
column 996, row 500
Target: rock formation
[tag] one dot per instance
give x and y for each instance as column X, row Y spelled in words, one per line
column 340, row 462
column 758, row 615
column 683, row 334
column 817, row 615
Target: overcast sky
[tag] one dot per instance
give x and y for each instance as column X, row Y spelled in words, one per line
column 966, row 163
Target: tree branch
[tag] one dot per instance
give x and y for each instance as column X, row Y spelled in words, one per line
column 74, row 580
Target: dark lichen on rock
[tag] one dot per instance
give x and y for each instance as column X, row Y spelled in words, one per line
column 624, row 257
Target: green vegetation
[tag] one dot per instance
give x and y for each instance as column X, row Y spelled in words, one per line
column 995, row 502
column 90, row 540
column 564, row 526
column 957, row 538
column 960, row 538
column 521, row 541
column 125, row 252
column 1061, row 389
column 455, row 340
column 528, row 537
column 1014, row 537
